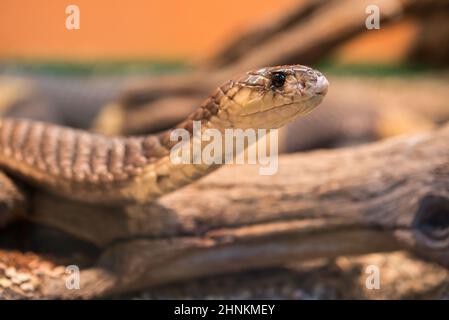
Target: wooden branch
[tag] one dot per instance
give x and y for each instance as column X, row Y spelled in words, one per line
column 379, row 197
column 306, row 185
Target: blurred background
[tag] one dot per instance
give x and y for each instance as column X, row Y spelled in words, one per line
column 140, row 67
column 136, row 67
column 122, row 31
column 34, row 31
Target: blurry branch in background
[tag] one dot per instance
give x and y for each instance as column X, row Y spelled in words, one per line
column 307, row 34
column 262, row 32
column 312, row 36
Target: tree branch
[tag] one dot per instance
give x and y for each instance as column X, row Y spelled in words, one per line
column 378, row 197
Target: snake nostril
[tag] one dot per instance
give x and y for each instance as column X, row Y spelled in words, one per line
column 321, row 91
column 321, row 86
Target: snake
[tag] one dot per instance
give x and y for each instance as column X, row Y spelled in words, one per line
column 91, row 167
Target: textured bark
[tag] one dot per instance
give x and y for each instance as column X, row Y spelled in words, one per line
column 381, row 197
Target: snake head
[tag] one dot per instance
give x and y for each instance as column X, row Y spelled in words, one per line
column 271, row 97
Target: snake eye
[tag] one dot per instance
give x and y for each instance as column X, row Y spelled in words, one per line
column 278, row 79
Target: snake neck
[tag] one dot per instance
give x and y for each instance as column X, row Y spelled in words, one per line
column 94, row 168
column 166, row 175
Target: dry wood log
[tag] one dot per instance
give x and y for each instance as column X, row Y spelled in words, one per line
column 385, row 196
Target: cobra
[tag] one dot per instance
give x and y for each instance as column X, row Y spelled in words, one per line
column 89, row 167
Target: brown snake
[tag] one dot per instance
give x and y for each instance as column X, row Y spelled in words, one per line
column 90, row 167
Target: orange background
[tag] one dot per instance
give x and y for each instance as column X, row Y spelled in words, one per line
column 131, row 29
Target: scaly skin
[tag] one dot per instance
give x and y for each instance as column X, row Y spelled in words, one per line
column 93, row 168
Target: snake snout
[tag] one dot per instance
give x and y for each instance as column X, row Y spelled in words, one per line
column 321, row 85
column 315, row 82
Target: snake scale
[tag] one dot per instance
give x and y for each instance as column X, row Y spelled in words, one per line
column 90, row 167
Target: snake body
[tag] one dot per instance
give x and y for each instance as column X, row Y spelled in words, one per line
column 90, row 167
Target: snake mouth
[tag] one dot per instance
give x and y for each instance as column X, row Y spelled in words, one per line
column 322, row 92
